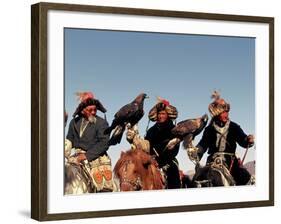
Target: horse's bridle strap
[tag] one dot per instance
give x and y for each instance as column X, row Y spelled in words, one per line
column 136, row 184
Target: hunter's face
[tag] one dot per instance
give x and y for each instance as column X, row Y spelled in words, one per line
column 90, row 111
column 223, row 117
column 162, row 116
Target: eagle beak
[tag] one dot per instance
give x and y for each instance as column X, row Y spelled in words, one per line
column 205, row 117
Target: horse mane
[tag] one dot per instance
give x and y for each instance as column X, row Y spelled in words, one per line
column 145, row 165
column 216, row 176
column 125, row 156
column 157, row 178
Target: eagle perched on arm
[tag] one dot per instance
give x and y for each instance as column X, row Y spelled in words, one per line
column 187, row 130
column 129, row 114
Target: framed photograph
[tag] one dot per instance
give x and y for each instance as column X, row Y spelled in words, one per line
column 188, row 97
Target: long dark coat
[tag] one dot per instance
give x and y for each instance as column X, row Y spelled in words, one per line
column 158, row 136
column 93, row 140
column 235, row 135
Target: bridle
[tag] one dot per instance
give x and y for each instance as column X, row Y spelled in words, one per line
column 135, row 184
column 199, row 183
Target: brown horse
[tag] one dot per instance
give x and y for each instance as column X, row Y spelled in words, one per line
column 137, row 170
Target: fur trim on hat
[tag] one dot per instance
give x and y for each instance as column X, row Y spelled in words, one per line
column 219, row 105
column 163, row 104
column 87, row 99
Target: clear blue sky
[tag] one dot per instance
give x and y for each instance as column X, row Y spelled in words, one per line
column 184, row 69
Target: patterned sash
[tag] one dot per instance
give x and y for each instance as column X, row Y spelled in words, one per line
column 221, row 135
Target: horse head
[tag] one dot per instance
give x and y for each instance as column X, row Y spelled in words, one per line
column 137, row 170
column 212, row 176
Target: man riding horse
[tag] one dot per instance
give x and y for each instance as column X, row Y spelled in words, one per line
column 159, row 135
column 220, row 138
column 87, row 139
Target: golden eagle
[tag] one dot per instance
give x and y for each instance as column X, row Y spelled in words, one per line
column 128, row 114
column 187, row 130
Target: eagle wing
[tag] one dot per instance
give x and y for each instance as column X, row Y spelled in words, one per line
column 185, row 127
column 126, row 111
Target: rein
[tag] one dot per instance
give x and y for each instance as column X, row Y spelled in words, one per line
column 247, row 149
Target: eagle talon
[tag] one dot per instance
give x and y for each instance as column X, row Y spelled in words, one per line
column 193, row 154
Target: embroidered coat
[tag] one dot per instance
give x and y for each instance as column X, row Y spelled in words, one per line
column 212, row 139
column 93, row 139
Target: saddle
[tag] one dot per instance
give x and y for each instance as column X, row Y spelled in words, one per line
column 101, row 174
column 219, row 164
column 98, row 171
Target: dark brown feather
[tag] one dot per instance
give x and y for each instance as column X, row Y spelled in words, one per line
column 190, row 126
column 130, row 113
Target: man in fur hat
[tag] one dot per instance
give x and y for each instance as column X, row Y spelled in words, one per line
column 159, row 135
column 220, row 138
column 86, row 136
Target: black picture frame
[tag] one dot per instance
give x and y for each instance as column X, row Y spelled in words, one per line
column 39, row 109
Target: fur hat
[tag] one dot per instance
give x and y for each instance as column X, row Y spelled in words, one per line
column 87, row 99
column 163, row 104
column 219, row 105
